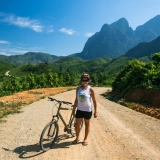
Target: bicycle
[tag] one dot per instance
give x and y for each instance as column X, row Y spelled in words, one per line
column 49, row 134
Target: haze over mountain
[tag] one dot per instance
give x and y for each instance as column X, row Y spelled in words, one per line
column 117, row 38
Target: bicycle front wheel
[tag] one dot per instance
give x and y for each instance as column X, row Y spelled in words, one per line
column 73, row 125
column 49, row 135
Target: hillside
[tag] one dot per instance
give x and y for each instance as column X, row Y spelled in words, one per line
column 74, row 64
column 5, row 67
column 144, row 49
column 29, row 58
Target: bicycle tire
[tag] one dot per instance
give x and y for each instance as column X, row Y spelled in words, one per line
column 49, row 135
column 72, row 126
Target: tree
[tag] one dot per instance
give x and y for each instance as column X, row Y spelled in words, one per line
column 156, row 58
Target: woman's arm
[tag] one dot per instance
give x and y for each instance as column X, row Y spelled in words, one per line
column 75, row 104
column 94, row 102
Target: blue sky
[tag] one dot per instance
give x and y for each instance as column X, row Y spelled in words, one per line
column 62, row 27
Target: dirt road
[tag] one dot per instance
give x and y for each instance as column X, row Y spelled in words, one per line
column 118, row 133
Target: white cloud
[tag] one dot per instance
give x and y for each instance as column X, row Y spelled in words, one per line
column 19, row 51
column 23, row 22
column 67, row 31
column 88, row 34
column 50, row 29
column 4, row 42
column 16, row 49
column 3, row 53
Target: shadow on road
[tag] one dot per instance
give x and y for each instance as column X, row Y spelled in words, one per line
column 27, row 151
column 33, row 150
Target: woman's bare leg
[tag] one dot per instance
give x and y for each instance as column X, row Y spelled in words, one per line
column 77, row 127
column 87, row 129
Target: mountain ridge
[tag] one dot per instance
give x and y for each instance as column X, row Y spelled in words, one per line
column 144, row 49
column 111, row 41
column 117, row 38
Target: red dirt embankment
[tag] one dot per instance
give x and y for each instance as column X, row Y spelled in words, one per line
column 147, row 101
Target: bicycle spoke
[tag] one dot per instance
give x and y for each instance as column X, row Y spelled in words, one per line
column 49, row 136
column 72, row 126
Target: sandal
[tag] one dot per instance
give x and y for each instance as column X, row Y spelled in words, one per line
column 84, row 143
column 75, row 141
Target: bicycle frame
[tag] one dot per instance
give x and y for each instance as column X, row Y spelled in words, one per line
column 62, row 119
column 58, row 115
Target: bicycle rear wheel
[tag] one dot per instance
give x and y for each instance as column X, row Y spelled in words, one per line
column 49, row 135
column 72, row 126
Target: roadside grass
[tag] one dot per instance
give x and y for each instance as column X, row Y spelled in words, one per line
column 9, row 108
column 34, row 92
column 69, row 89
column 12, row 107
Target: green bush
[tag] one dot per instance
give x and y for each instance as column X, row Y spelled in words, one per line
column 138, row 74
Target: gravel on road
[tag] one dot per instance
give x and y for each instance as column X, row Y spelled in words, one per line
column 118, row 133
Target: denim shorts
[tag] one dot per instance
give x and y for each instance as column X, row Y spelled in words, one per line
column 83, row 114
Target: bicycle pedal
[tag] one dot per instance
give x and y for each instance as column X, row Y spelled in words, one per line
column 65, row 130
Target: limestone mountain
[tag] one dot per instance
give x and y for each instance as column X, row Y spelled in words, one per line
column 117, row 38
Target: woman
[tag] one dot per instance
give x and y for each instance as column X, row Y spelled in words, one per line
column 84, row 93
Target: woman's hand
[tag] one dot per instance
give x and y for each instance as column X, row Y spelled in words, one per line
column 95, row 114
column 73, row 113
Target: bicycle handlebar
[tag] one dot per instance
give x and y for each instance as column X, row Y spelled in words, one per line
column 53, row 99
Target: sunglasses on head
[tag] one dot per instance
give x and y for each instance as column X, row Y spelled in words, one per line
column 84, row 80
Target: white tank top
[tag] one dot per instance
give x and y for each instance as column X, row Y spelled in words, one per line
column 84, row 99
